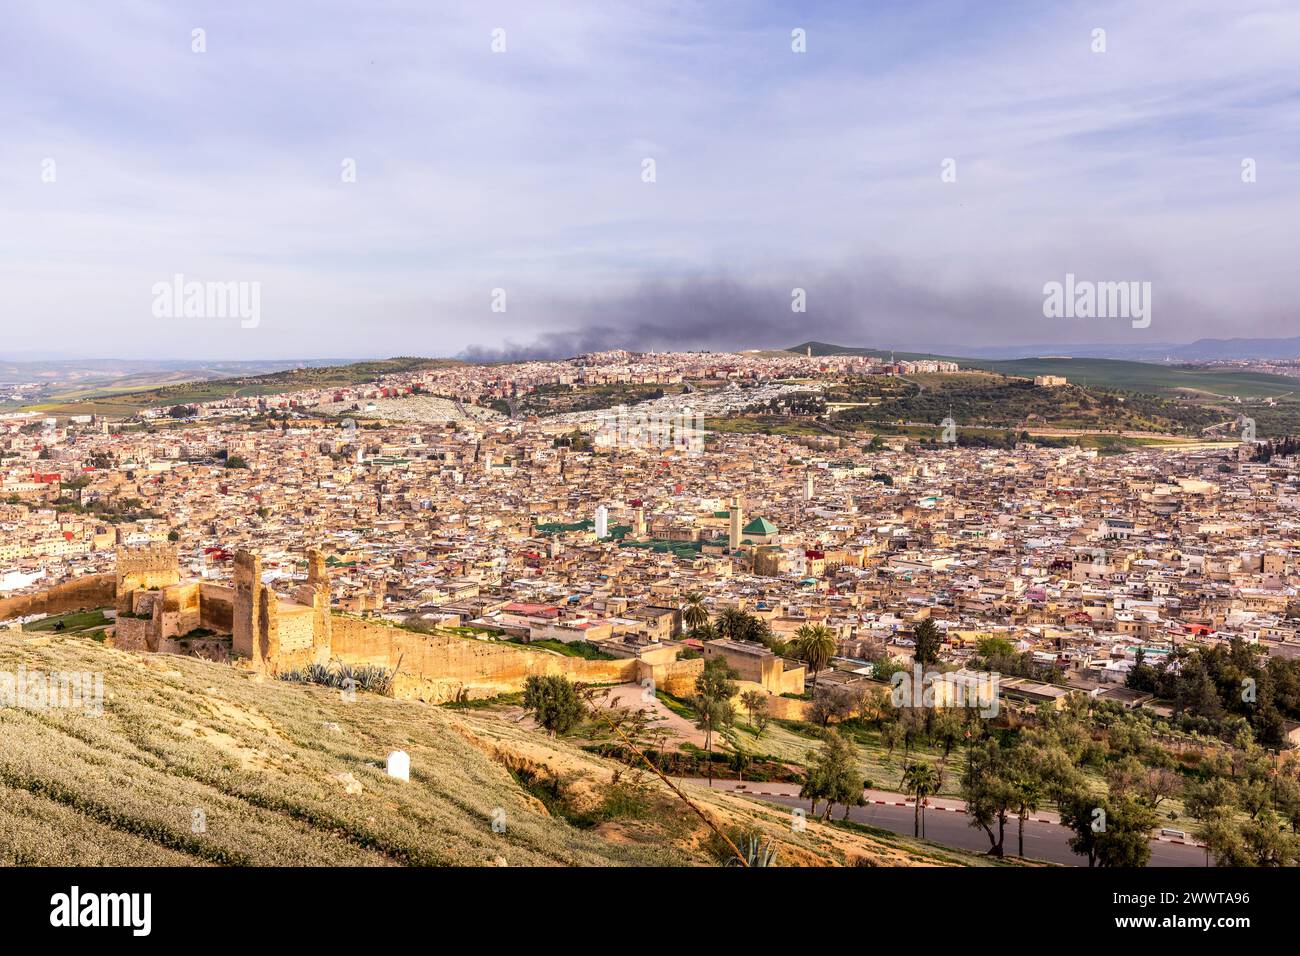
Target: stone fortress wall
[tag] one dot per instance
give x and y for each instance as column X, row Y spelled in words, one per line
column 253, row 626
column 83, row 593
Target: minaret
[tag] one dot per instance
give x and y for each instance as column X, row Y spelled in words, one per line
column 808, row 486
column 602, row 522
column 733, row 537
column 638, row 521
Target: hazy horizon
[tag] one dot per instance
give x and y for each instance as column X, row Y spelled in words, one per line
column 920, row 171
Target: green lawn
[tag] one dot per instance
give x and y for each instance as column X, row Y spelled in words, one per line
column 75, row 621
column 584, row 649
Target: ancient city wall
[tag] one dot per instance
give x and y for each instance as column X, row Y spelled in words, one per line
column 89, row 591
column 245, row 631
column 180, row 610
column 676, row 678
column 782, row 708
column 440, row 667
column 295, row 629
column 132, row 634
column 217, row 607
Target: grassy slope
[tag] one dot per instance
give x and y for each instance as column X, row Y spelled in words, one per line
column 262, row 760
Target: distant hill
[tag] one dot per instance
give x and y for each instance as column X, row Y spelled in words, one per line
column 1105, row 373
column 116, row 402
column 1206, row 349
column 61, row 381
column 1202, row 350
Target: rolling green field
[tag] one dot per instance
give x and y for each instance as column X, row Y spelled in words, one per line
column 270, row 766
column 1107, row 373
column 1147, row 376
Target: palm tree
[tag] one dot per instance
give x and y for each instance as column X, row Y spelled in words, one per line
column 708, row 631
column 920, row 780
column 754, row 700
column 694, row 613
column 814, row 644
column 732, row 622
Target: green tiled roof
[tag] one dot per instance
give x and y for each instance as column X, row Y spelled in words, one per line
column 759, row 526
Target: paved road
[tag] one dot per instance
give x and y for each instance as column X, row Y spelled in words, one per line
column 944, row 823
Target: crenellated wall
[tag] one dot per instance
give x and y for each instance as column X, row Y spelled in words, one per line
column 144, row 567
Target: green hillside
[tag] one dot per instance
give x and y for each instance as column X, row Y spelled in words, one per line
column 1106, row 373
column 1146, row 376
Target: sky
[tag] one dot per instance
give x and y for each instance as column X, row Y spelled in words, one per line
column 920, row 170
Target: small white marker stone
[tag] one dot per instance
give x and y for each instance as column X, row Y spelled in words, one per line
column 399, row 765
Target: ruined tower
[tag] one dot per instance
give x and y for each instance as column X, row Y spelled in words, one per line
column 317, row 594
column 142, row 568
column 247, row 634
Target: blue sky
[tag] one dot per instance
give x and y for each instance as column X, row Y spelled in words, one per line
column 522, row 170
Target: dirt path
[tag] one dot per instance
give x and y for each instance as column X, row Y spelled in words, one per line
column 630, row 696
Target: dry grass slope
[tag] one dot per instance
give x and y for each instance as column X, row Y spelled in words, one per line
column 276, row 767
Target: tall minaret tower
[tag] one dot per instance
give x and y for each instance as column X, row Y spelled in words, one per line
column 808, row 486
column 737, row 520
column 602, row 522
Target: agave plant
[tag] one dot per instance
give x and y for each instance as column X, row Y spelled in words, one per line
column 373, row 678
column 317, row 674
column 757, row 852
column 367, row 677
